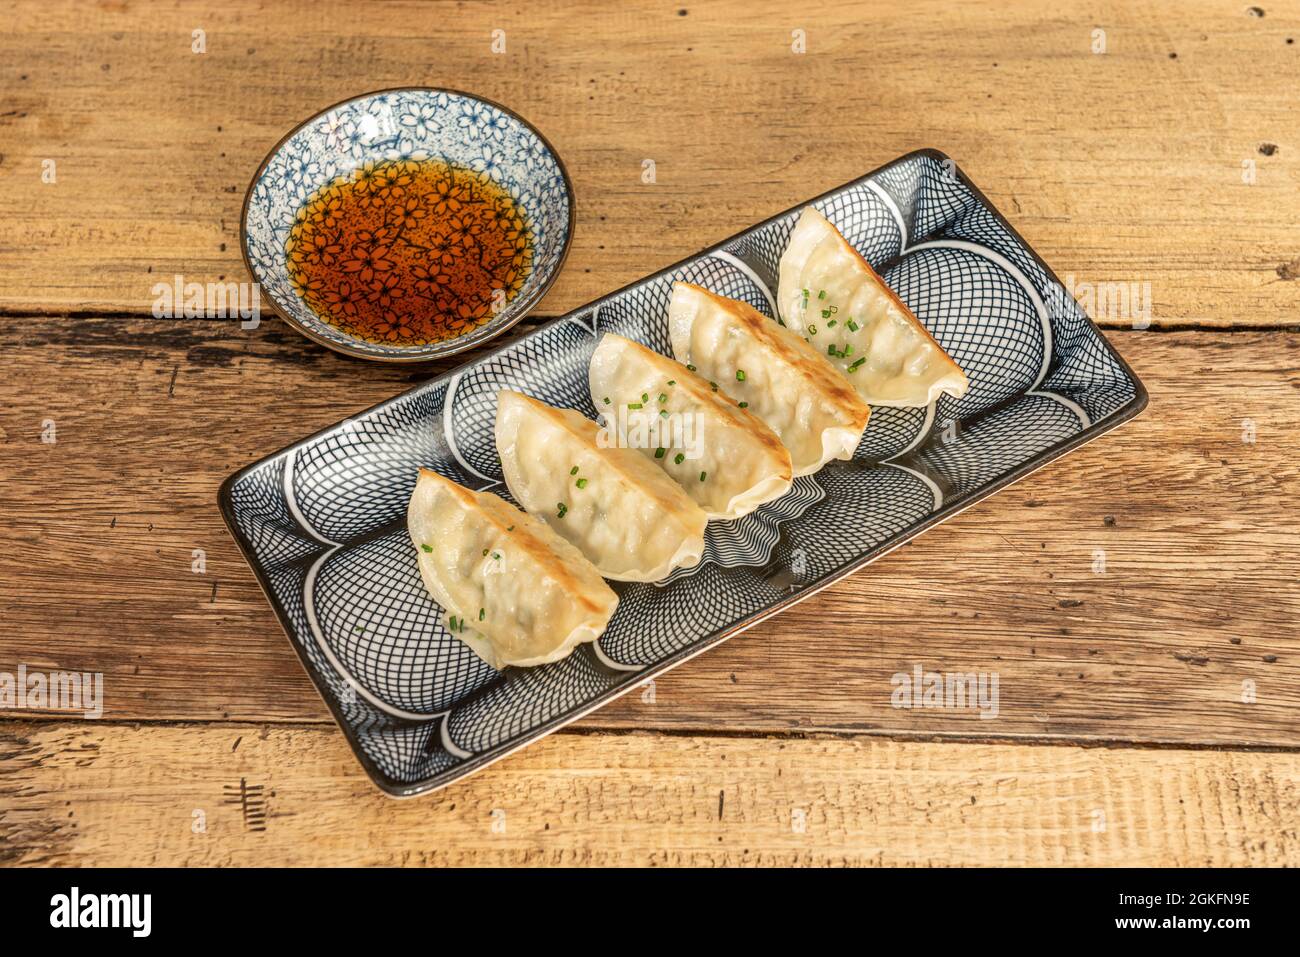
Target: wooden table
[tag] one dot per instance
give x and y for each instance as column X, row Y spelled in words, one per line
column 1148, row 715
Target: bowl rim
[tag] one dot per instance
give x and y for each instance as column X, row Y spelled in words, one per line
column 358, row 351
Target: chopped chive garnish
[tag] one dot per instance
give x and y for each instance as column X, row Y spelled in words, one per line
column 573, row 471
column 679, row 458
column 426, row 548
column 743, row 405
column 713, row 386
column 485, row 551
column 805, row 293
column 703, row 476
column 830, row 350
column 496, row 556
column 663, row 413
column 659, row 453
column 672, row 381
column 821, row 294
column 812, row 330
column 451, row 621
column 847, row 350
column 691, row 367
column 581, row 483
column 831, row 324
column 853, row 325
column 826, row 313
column 607, row 400
column 740, row 375
column 482, row 613
column 510, row 528
column 854, row 366
column 645, row 396
column 634, row 405
column 561, row 508
column 663, row 396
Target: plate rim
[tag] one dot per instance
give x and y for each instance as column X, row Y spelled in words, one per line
column 479, row 761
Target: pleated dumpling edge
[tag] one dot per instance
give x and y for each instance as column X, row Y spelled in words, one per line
column 725, row 457
column 630, row 519
column 781, row 378
column 829, row 294
column 510, row 588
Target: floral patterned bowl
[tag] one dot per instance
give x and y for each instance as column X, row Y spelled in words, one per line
column 408, row 124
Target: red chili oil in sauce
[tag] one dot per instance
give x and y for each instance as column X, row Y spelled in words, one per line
column 409, row 252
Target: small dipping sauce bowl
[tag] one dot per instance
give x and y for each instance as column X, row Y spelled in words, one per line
column 408, row 224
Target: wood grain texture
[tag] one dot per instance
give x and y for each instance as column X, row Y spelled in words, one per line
column 1120, row 166
column 1123, row 166
column 1198, row 597
column 91, row 793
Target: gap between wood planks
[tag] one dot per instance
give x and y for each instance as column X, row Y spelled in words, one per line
column 904, row 737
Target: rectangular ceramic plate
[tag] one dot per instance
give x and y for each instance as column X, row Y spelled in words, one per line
column 322, row 522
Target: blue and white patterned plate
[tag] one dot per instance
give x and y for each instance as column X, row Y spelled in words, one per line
column 415, row 124
column 323, row 522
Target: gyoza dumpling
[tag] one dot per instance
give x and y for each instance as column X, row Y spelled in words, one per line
column 724, row 456
column 511, row 589
column 785, row 382
column 831, row 296
column 627, row 516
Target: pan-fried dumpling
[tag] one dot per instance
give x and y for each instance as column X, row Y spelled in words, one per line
column 783, row 380
column 723, row 455
column 627, row 516
column 511, row 589
column 832, row 297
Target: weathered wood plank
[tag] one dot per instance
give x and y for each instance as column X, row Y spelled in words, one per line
column 1118, row 166
column 1198, row 595
column 91, row 794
